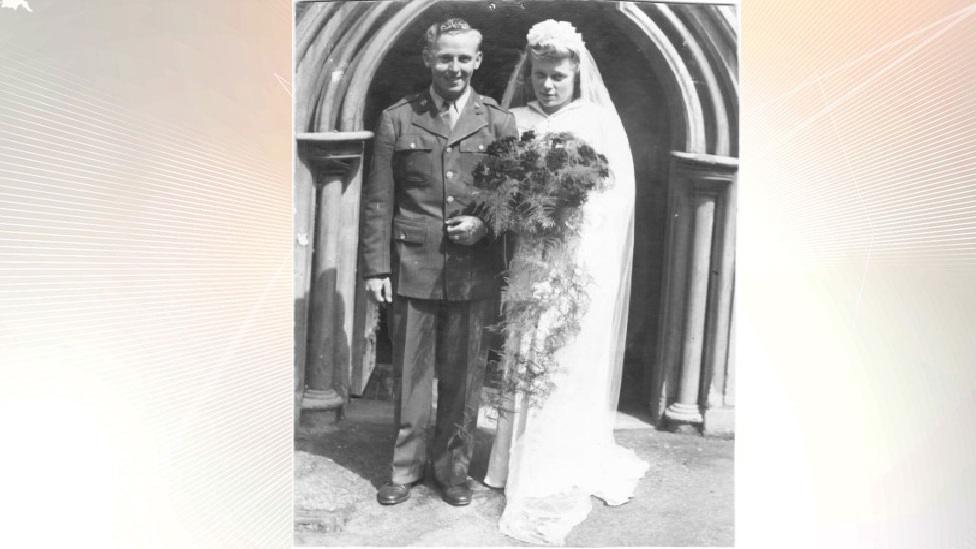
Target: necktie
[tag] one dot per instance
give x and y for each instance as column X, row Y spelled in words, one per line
column 450, row 113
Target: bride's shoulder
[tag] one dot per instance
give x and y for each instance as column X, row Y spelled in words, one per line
column 589, row 108
column 597, row 118
column 526, row 118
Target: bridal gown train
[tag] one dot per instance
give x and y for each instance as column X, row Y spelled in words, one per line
column 552, row 458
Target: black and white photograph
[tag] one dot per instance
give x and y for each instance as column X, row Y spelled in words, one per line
column 487, row 273
column 514, row 267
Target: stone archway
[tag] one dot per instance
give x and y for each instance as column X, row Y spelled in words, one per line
column 691, row 51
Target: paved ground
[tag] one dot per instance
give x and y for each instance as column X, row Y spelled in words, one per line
column 686, row 499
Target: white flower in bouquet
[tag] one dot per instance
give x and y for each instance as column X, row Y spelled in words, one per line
column 541, row 290
column 563, row 307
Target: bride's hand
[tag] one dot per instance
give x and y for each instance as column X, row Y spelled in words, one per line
column 465, row 229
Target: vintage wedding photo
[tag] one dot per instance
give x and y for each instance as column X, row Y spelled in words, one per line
column 514, row 231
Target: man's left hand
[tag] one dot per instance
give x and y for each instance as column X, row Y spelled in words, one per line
column 465, row 229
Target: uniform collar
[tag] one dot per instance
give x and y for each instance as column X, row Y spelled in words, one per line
column 472, row 115
column 460, row 102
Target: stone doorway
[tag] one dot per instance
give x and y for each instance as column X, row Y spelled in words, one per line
column 639, row 99
column 672, row 70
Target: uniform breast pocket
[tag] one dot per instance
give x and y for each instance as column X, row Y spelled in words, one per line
column 474, row 151
column 476, row 144
column 414, row 159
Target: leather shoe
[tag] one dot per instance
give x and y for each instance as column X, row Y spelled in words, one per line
column 457, row 495
column 392, row 493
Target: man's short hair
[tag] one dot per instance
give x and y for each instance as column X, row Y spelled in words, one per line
column 453, row 25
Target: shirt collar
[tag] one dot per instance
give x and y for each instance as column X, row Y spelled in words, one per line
column 460, row 101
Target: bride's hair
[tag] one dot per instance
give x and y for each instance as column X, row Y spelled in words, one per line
column 552, row 40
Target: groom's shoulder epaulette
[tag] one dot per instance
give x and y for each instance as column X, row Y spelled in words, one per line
column 487, row 100
column 406, row 100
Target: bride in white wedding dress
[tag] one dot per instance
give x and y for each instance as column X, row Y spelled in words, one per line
column 553, row 457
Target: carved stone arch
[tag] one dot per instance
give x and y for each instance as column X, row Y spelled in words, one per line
column 688, row 119
column 715, row 40
column 342, row 46
column 370, row 59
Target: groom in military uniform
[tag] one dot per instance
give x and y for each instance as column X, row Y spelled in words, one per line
column 439, row 269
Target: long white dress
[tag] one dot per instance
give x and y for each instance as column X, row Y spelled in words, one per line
column 553, row 457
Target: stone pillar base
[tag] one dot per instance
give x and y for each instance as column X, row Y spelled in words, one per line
column 316, row 400
column 719, row 422
column 685, row 413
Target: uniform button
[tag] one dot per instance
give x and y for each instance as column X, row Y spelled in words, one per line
column 403, row 235
column 450, row 173
column 413, row 145
column 449, row 149
column 450, row 199
column 481, row 147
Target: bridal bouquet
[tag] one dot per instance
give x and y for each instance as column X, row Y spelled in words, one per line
column 534, row 188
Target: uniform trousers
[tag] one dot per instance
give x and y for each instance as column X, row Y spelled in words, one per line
column 447, row 338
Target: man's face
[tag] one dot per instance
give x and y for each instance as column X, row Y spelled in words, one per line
column 451, row 61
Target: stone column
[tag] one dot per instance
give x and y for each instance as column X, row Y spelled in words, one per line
column 699, row 263
column 719, row 362
column 303, row 212
column 686, row 408
column 334, row 162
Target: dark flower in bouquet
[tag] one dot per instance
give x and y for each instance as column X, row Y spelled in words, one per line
column 533, row 189
column 535, row 186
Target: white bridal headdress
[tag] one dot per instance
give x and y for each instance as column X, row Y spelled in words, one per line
column 555, row 35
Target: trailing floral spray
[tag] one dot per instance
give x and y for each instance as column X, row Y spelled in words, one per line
column 532, row 189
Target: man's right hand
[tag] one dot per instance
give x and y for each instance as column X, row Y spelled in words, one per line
column 380, row 289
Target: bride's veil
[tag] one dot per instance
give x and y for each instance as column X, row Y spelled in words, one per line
column 617, row 148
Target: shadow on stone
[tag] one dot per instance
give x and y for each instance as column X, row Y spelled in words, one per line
column 362, row 443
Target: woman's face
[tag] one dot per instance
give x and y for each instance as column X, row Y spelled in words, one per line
column 552, row 81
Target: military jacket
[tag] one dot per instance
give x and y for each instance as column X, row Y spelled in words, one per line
column 421, row 175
